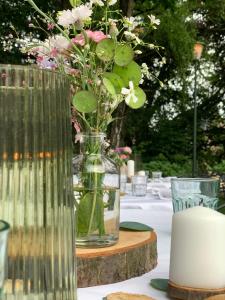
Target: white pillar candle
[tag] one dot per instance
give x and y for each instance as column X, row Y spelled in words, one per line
column 198, row 248
column 130, row 168
column 141, row 173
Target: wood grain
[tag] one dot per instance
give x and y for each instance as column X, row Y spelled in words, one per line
column 134, row 255
column 187, row 293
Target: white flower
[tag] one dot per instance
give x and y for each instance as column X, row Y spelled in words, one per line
column 112, row 2
column 153, row 20
column 138, row 52
column 145, row 71
column 66, row 18
column 129, row 93
column 97, row 2
column 132, row 22
column 81, row 13
column 59, row 42
column 131, row 36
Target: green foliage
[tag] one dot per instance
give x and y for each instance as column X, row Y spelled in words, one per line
column 180, row 169
column 85, row 101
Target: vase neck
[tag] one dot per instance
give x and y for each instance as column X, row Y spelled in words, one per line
column 91, row 143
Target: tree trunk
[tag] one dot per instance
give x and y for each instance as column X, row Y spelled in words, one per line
column 127, row 7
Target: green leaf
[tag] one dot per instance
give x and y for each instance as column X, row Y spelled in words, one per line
column 123, row 55
column 137, row 100
column 84, row 212
column 85, row 101
column 160, row 284
column 109, row 86
column 115, row 80
column 105, row 50
column 135, row 226
column 131, row 72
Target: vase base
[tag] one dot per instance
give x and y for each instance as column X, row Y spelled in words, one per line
column 96, row 241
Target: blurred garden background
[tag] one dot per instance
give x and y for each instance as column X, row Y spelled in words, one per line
column 161, row 133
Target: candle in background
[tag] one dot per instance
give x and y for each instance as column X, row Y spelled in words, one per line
column 130, row 168
column 198, row 249
column 141, row 173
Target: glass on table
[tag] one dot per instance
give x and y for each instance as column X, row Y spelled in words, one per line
column 156, row 175
column 139, row 185
column 123, row 183
column 189, row 192
column 4, row 230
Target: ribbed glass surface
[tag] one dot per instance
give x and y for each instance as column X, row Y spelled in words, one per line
column 36, row 184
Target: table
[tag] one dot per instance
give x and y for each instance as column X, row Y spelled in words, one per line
column 156, row 213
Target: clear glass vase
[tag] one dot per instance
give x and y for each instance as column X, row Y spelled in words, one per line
column 96, row 190
column 36, row 196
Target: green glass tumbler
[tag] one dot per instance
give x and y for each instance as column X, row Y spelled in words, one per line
column 36, row 196
column 189, row 192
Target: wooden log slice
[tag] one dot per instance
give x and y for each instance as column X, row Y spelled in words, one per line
column 186, row 293
column 134, row 255
column 126, row 296
column 218, row 297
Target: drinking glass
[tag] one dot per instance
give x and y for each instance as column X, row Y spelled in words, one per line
column 156, row 175
column 139, row 185
column 123, row 183
column 4, row 230
column 36, row 184
column 189, row 192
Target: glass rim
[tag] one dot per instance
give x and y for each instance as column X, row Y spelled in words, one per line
column 194, row 179
column 5, row 227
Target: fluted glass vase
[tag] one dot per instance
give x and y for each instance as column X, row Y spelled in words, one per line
column 96, row 191
column 36, row 184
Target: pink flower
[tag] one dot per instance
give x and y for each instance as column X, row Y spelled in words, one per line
column 98, row 36
column 74, row 72
column 50, row 26
column 54, row 52
column 127, row 150
column 79, row 40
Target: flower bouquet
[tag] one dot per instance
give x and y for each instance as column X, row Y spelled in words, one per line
column 96, row 47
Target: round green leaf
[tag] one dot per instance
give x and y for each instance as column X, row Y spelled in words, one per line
column 134, row 226
column 137, row 100
column 115, row 80
column 160, row 284
column 123, row 55
column 109, row 86
column 131, row 72
column 105, row 50
column 85, row 101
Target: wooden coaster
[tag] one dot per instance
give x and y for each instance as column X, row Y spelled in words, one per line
column 186, row 293
column 218, row 297
column 125, row 296
column 134, row 255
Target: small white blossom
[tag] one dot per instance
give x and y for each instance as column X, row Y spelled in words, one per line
column 129, row 93
column 154, row 21
column 66, row 18
column 97, row 2
column 59, row 42
column 138, row 52
column 112, row 2
column 81, row 13
column 132, row 22
column 145, row 71
column 131, row 36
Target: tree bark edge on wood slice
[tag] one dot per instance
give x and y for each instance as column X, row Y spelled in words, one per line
column 135, row 254
column 187, row 293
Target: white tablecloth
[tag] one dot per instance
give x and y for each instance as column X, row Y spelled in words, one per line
column 156, row 213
